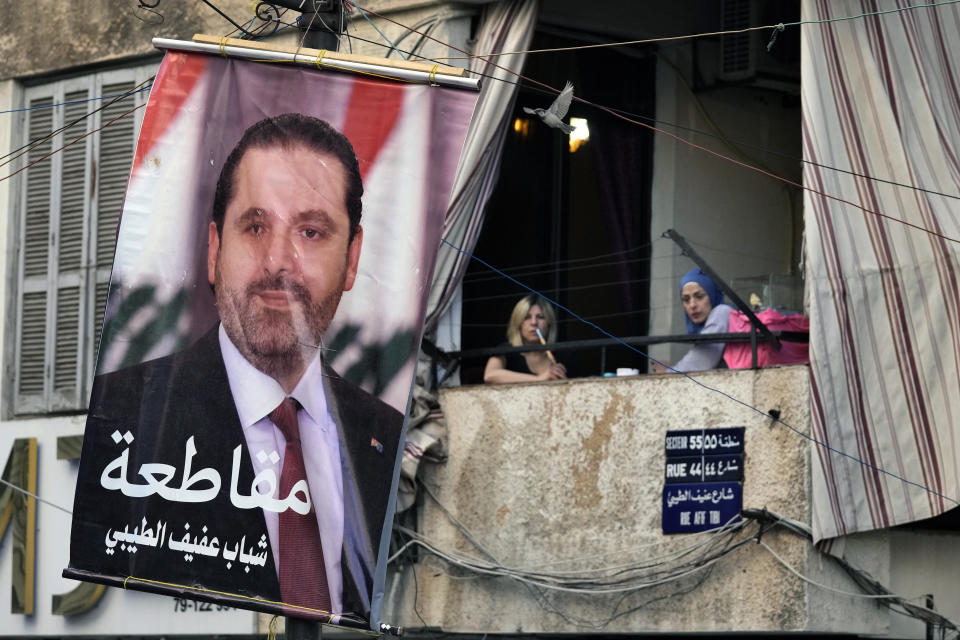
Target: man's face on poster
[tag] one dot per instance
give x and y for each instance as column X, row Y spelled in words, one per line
column 285, row 255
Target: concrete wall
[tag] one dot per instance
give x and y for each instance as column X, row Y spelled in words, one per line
column 569, row 475
column 51, row 36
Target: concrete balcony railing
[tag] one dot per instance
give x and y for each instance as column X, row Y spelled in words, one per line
column 567, row 477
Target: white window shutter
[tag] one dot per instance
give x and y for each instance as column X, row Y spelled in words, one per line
column 34, row 262
column 70, row 208
column 68, row 244
column 117, row 145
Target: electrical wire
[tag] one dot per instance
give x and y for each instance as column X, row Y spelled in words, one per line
column 396, row 45
column 243, row 31
column 701, row 384
column 259, row 32
column 861, row 578
column 464, row 561
column 739, row 143
column 468, row 535
column 564, row 261
column 60, row 104
column 583, row 582
column 810, row 581
column 35, row 496
column 75, row 140
column 832, row 449
column 539, row 272
column 557, row 291
column 554, row 291
column 646, row 355
column 693, row 145
column 534, row 270
column 26, row 148
column 653, row 572
column 604, row 45
column 712, row 34
column 671, row 574
column 628, row 578
column 735, row 524
column 328, row 28
column 393, row 47
column 602, row 316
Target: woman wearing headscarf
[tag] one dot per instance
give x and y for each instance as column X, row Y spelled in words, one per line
column 530, row 314
column 704, row 312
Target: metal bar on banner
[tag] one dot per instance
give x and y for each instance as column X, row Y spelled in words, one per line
column 393, row 69
column 415, row 65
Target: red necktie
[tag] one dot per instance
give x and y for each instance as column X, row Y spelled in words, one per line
column 303, row 578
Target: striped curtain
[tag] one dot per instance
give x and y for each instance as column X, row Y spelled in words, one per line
column 505, row 26
column 881, row 98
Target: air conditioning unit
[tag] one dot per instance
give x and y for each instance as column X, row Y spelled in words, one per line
column 738, row 52
column 744, row 56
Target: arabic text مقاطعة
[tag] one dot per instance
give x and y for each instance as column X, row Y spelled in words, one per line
column 158, row 476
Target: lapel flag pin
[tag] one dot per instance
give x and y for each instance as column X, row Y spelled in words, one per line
column 376, row 444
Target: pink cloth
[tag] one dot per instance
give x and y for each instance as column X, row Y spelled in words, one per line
column 737, row 354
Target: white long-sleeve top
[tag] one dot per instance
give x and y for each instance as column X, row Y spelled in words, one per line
column 707, row 355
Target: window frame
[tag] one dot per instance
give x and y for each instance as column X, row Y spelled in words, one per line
column 72, row 397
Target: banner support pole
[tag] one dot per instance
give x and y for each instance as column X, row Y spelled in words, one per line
column 300, row 629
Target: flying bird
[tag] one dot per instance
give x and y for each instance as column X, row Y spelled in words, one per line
column 553, row 116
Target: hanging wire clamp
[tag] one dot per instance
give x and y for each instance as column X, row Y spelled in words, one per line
column 764, row 516
column 773, row 36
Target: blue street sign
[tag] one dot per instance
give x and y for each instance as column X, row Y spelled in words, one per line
column 689, row 508
column 692, row 442
column 716, row 468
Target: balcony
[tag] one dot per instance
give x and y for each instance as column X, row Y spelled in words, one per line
column 568, row 477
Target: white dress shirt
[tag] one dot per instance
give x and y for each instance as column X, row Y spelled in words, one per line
column 255, row 395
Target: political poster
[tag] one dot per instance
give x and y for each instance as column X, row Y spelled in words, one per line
column 262, row 321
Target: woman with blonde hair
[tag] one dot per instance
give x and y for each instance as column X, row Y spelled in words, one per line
column 530, row 314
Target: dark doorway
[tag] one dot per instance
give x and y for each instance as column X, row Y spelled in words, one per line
column 575, row 226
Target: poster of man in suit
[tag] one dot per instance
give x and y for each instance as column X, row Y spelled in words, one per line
column 273, row 261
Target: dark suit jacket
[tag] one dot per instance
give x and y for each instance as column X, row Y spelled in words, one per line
column 162, row 403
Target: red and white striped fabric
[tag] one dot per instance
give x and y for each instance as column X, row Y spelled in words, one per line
column 881, row 98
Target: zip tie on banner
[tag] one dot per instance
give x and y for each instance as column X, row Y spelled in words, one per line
column 432, row 78
column 223, row 46
column 320, row 55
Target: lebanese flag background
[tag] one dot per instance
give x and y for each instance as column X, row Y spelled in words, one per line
column 407, row 138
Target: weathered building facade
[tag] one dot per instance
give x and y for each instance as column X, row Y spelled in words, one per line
column 562, row 480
